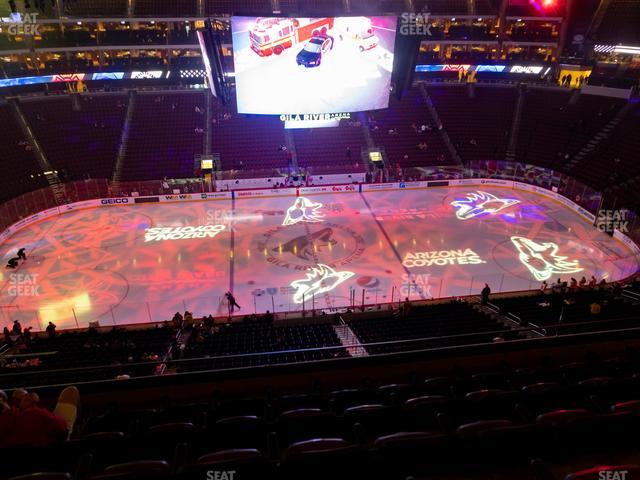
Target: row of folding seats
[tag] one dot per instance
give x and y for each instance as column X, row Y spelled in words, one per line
column 547, row 309
column 165, row 135
column 64, row 357
column 541, row 389
column 18, row 165
column 402, row 146
column 80, row 136
column 477, row 124
column 434, row 323
column 423, row 435
column 253, row 338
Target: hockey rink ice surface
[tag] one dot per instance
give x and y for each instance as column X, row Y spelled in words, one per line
column 142, row 263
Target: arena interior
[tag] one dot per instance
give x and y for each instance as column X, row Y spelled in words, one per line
column 319, row 239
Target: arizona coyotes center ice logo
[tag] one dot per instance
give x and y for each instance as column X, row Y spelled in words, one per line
column 479, row 203
column 303, row 210
column 319, row 280
column 542, row 259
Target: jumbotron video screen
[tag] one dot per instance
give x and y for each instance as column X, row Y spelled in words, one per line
column 312, row 65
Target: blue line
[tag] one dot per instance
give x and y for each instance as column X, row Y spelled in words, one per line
column 232, row 244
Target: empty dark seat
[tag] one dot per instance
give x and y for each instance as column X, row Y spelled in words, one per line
column 476, row 428
column 239, row 432
column 306, row 423
column 409, row 453
column 246, row 462
column 395, row 392
column 376, row 419
column 174, row 428
column 135, row 470
column 323, row 458
column 597, row 473
column 631, row 406
column 559, row 417
column 44, row 476
column 342, row 399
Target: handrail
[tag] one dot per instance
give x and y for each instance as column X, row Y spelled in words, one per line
column 533, row 328
column 537, row 329
column 514, row 318
column 78, row 383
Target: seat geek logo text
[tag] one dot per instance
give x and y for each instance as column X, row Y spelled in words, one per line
column 415, row 24
column 221, row 474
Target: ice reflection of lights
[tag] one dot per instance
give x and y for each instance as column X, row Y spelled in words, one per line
column 319, row 280
column 542, row 259
column 303, row 210
column 481, row 203
column 65, row 309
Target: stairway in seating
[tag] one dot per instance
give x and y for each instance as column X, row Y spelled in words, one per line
column 453, row 152
column 510, row 155
column 124, row 140
column 603, row 135
column 349, row 340
column 291, row 146
column 507, row 320
column 49, row 173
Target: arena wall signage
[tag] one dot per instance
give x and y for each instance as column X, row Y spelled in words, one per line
column 329, row 189
column 380, row 186
column 215, row 195
column 146, row 200
column 83, row 77
column 264, row 193
column 523, row 69
column 176, row 198
column 115, row 201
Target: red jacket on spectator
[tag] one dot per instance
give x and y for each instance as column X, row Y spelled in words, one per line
column 33, row 426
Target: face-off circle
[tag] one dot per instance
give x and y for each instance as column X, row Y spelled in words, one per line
column 303, row 246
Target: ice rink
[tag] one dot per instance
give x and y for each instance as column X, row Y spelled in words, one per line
column 142, row 263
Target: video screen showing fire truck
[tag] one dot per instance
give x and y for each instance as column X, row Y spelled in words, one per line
column 312, row 65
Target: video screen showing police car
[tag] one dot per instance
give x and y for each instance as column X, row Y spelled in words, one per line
column 312, row 65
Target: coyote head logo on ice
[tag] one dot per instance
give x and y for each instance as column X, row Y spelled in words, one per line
column 319, row 279
column 478, row 203
column 542, row 259
column 304, row 248
column 303, row 210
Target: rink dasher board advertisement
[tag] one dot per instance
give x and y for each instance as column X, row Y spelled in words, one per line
column 261, row 193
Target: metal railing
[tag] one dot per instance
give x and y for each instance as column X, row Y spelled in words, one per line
column 33, row 377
